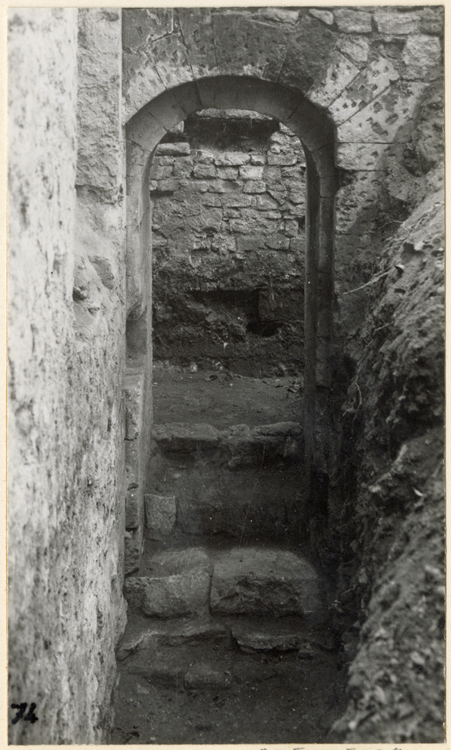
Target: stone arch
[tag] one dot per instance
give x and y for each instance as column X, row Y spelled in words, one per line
column 316, row 132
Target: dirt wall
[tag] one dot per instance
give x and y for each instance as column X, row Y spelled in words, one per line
column 65, row 419
column 387, row 504
column 228, row 245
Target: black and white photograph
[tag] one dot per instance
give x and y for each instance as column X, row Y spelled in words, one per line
column 226, row 375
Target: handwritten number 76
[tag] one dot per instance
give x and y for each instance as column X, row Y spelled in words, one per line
column 21, row 708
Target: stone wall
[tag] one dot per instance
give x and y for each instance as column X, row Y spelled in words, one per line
column 66, row 355
column 228, row 245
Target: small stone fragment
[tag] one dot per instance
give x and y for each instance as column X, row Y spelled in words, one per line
column 204, row 677
column 160, row 515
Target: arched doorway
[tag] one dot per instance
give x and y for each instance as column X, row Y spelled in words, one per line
column 316, row 132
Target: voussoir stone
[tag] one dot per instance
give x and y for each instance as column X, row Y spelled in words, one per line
column 256, row 581
column 180, row 586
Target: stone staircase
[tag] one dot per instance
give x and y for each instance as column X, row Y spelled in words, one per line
column 215, row 609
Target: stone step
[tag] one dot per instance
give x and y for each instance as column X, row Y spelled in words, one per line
column 265, row 582
column 236, row 581
column 241, row 445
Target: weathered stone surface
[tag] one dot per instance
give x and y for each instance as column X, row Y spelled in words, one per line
column 160, row 515
column 231, row 159
column 101, row 57
column 306, row 56
column 255, row 187
column 181, row 586
column 421, row 55
column 197, row 31
column 173, row 149
column 251, row 172
column 282, row 15
column 133, row 550
column 357, row 47
column 145, row 25
column 392, row 22
column 357, row 156
column 339, row 73
column 363, row 89
column 249, row 47
column 185, row 437
column 133, row 508
column 384, row 118
column 133, row 393
column 432, row 21
column 323, row 15
column 205, row 677
column 352, row 21
column 255, row 581
column 204, row 171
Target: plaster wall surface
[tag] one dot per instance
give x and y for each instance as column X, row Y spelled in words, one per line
column 65, row 444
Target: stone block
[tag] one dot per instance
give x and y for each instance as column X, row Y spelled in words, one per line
column 133, row 508
column 254, row 187
column 264, row 582
column 197, row 32
column 391, row 21
column 251, row 172
column 180, row 587
column 339, row 73
column 160, row 515
column 160, row 171
column 355, row 156
column 204, row 171
column 205, row 677
column 173, row 149
column 258, row 160
column 231, row 159
column 177, row 436
column 356, row 47
column 322, row 15
column 420, row 54
column 277, row 242
column 132, row 463
column 204, row 157
column 281, row 15
column 249, row 47
column 143, row 25
column 236, row 200
column 291, row 228
column 353, row 21
column 265, row 203
column 432, row 20
column 183, row 167
column 371, row 82
column 282, row 160
column 382, row 120
column 227, row 173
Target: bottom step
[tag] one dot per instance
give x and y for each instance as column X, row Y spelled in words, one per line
column 238, row 581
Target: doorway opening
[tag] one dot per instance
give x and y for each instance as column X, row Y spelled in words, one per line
column 228, row 636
